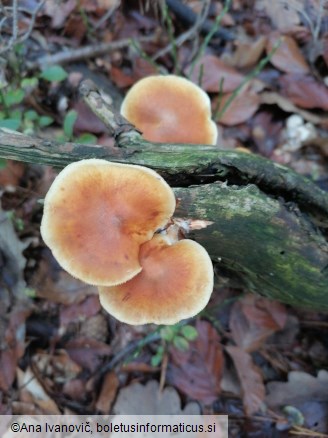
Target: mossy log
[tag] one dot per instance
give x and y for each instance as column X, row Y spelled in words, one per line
column 268, row 224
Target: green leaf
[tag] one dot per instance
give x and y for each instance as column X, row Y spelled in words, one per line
column 13, row 97
column 10, row 124
column 3, row 163
column 45, row 121
column 30, row 292
column 189, row 332
column 54, row 73
column 181, row 343
column 168, row 333
column 69, row 121
column 156, row 359
column 87, row 138
column 29, row 83
column 30, row 115
column 294, row 415
column 15, row 114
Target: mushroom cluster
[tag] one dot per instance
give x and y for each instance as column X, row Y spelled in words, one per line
column 170, row 109
column 105, row 224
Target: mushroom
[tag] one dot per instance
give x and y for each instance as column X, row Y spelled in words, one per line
column 170, row 109
column 97, row 214
column 175, row 283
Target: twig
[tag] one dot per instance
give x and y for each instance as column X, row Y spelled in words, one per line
column 190, row 33
column 14, row 26
column 88, row 51
column 247, row 78
column 131, row 348
column 212, row 31
column 108, row 14
column 301, row 431
column 160, row 69
column 170, row 32
column 15, row 38
column 188, row 16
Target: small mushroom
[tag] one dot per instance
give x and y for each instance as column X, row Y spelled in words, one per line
column 97, row 214
column 175, row 283
column 170, row 109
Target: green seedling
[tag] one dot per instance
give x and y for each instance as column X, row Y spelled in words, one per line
column 15, row 117
column 17, row 222
column 177, row 335
column 68, row 128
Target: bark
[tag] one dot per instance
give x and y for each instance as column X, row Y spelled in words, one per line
column 269, row 223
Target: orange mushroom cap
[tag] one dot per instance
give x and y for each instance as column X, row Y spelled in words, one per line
column 170, row 109
column 97, row 214
column 175, row 283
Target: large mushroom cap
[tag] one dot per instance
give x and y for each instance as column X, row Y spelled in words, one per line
column 175, row 283
column 97, row 214
column 170, row 109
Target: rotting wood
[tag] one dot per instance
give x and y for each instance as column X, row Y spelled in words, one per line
column 269, row 222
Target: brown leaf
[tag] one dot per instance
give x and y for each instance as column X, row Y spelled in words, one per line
column 54, row 284
column 79, row 311
column 271, row 98
column 253, row 319
column 8, row 363
column 32, row 392
column 264, row 312
column 251, row 379
column 247, row 54
column 305, row 91
column 243, row 106
column 12, row 173
column 287, row 57
column 214, row 70
column 197, row 372
column 283, row 13
column 108, row 393
column 86, row 120
column 87, row 352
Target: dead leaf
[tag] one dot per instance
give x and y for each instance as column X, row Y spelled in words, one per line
column 264, row 312
column 272, row 98
column 8, row 363
column 197, row 372
column 253, row 319
column 52, row 283
column 283, row 13
column 86, row 120
column 287, row 57
column 12, row 262
column 57, row 367
column 266, row 131
column 304, row 91
column 31, row 391
column 212, row 70
column 247, row 53
column 242, row 107
column 137, row 399
column 300, row 388
column 87, row 352
column 79, row 311
column 251, row 380
column 59, row 14
column 108, row 392
column 12, row 173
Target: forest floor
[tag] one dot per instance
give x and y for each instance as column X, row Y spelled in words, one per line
column 261, row 362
